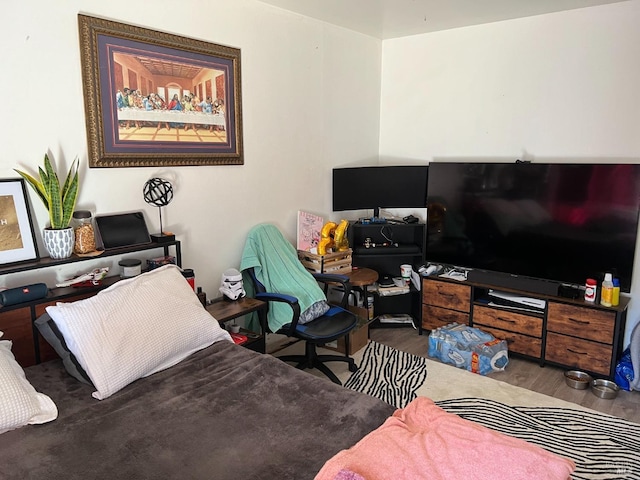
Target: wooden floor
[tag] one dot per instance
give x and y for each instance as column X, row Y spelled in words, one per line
column 523, row 373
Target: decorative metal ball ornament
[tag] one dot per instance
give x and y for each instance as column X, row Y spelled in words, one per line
column 159, row 193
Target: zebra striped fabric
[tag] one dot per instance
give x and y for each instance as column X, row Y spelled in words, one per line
column 602, row 446
column 389, row 374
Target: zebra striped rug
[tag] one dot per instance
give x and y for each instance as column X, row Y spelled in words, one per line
column 602, row 446
column 389, row 374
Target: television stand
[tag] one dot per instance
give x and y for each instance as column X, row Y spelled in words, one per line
column 570, row 333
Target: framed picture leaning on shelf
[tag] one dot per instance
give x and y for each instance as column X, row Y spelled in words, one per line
column 17, row 236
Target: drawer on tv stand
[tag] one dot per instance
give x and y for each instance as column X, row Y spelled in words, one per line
column 516, row 342
column 509, row 321
column 583, row 322
column 586, row 355
column 446, row 295
column 434, row 317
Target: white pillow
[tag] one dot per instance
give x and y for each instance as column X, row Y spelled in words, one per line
column 20, row 404
column 135, row 328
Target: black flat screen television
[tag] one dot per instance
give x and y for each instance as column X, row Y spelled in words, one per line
column 559, row 222
column 375, row 187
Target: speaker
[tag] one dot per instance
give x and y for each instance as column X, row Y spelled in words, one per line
column 27, row 293
column 526, row 284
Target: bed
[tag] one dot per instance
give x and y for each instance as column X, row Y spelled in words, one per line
column 221, row 412
column 224, row 412
column 149, row 386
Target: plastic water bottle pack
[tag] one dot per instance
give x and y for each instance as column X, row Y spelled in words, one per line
column 469, row 348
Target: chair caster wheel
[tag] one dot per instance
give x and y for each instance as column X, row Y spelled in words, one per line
column 353, row 367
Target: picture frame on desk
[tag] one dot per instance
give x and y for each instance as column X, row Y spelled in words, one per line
column 17, row 235
column 131, row 74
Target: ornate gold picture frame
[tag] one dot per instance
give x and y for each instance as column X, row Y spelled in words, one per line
column 157, row 99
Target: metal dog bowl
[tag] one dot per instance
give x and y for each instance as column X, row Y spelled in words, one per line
column 605, row 388
column 577, row 379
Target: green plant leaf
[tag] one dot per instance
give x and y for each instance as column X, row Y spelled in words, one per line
column 59, row 202
column 52, row 186
column 70, row 193
column 35, row 185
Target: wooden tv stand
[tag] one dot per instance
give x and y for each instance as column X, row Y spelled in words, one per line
column 568, row 333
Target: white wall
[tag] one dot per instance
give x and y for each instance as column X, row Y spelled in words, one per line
column 560, row 87
column 310, row 96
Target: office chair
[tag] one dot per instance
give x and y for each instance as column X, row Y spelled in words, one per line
column 297, row 304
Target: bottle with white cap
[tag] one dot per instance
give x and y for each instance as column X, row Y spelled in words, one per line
column 606, row 292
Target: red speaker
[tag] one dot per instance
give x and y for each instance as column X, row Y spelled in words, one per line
column 27, row 293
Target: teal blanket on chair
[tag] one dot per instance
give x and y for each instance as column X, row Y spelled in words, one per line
column 278, row 268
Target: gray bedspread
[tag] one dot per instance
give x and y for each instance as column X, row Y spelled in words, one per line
column 223, row 413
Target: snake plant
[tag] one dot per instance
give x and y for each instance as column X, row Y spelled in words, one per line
column 59, row 201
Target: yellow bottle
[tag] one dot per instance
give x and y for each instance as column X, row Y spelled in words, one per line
column 606, row 292
column 615, row 297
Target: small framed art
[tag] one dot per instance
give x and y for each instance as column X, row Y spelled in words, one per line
column 17, row 236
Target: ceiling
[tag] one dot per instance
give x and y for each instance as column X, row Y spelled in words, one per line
column 386, row 19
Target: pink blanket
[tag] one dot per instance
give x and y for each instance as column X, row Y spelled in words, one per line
column 424, row 441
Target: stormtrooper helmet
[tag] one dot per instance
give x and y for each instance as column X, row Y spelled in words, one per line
column 232, row 287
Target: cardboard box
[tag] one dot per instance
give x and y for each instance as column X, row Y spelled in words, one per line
column 358, row 337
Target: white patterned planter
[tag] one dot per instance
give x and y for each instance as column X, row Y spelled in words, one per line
column 59, row 242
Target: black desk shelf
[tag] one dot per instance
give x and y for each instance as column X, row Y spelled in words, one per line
column 46, row 262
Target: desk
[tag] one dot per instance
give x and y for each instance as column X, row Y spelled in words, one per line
column 226, row 310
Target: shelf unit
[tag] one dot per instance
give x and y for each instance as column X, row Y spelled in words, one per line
column 567, row 333
column 225, row 310
column 46, row 262
column 16, row 321
column 395, row 244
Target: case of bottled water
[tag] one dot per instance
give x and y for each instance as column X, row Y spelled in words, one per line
column 469, row 348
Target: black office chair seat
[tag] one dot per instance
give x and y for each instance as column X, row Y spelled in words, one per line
column 336, row 323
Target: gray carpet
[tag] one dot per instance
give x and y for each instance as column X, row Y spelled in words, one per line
column 602, row 446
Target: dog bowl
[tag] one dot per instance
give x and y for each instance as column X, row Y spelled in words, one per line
column 577, row 379
column 605, row 388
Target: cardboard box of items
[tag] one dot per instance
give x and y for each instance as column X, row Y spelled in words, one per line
column 358, row 337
